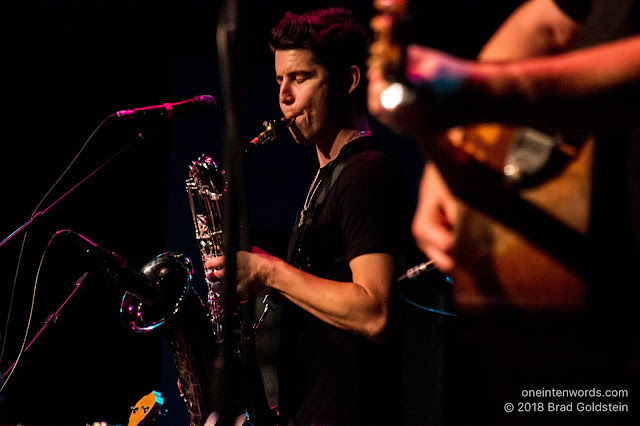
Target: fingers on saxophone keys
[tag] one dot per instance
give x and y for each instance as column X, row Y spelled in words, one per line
column 215, row 274
column 214, row 262
column 215, row 267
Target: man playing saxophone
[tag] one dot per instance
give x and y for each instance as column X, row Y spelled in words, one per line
column 349, row 241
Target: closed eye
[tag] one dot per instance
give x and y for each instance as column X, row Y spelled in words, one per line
column 302, row 76
column 296, row 76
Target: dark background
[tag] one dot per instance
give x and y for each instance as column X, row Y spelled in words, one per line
column 67, row 65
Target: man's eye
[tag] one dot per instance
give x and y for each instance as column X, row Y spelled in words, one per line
column 301, row 79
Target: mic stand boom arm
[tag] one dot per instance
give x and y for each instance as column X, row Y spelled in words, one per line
column 51, row 317
column 39, row 213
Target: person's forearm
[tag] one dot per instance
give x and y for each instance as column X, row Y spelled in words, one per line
column 346, row 305
column 536, row 28
column 596, row 86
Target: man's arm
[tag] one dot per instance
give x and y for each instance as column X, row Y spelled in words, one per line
column 536, row 28
column 359, row 306
column 597, row 86
column 589, row 88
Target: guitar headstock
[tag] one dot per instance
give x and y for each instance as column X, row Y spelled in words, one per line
column 387, row 50
column 146, row 410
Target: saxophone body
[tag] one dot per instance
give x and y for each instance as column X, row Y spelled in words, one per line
column 206, row 185
column 193, row 328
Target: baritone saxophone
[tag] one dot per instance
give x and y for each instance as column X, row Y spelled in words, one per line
column 195, row 329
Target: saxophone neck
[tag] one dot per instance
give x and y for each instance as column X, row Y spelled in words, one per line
column 271, row 131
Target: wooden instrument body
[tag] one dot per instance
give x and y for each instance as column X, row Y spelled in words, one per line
column 498, row 265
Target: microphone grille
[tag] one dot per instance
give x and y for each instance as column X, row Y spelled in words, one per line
column 206, row 101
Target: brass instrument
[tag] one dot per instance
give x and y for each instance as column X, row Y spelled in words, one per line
column 184, row 321
column 205, row 187
column 194, row 330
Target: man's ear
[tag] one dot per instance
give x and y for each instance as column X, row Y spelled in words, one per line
column 354, row 76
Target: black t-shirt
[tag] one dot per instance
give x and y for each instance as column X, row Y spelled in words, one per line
column 326, row 374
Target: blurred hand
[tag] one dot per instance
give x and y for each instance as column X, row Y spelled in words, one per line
column 433, row 77
column 435, row 219
column 430, row 67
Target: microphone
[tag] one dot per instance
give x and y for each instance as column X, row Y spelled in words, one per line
column 196, row 105
column 116, row 269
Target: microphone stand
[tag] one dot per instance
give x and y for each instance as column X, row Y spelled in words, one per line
column 227, row 41
column 42, row 212
column 236, row 236
column 51, row 317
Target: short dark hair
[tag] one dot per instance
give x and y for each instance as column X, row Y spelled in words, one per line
column 335, row 38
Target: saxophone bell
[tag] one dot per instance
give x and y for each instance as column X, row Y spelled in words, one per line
column 184, row 320
column 169, row 275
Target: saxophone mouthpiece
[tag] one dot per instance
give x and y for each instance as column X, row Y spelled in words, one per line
column 286, row 122
column 270, row 132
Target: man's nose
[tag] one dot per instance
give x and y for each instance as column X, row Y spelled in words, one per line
column 286, row 97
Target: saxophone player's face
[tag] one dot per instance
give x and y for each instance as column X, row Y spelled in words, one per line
column 304, row 92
